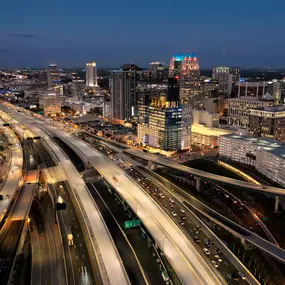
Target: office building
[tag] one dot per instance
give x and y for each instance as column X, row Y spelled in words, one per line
column 268, row 122
column 53, row 75
column 186, row 68
column 91, row 74
column 235, row 72
column 239, row 108
column 160, row 122
column 51, row 102
column 224, row 77
column 208, row 119
column 266, row 155
column 123, row 85
column 209, row 87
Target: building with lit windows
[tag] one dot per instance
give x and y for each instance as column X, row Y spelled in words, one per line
column 186, row 68
column 266, row 155
column 239, row 108
column 53, row 75
column 91, row 74
column 51, row 102
column 123, row 85
column 268, row 122
column 160, row 122
column 223, row 76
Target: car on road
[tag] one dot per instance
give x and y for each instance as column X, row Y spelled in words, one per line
column 161, row 195
column 196, row 238
column 206, row 250
column 218, row 258
column 214, row 262
column 171, row 205
column 242, row 275
column 183, row 217
column 164, row 205
column 171, row 200
column 181, row 223
column 217, row 250
column 173, row 214
column 182, row 210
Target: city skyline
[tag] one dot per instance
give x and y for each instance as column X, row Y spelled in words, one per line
column 73, row 35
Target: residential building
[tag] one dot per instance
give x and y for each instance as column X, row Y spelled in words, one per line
column 266, row 155
column 239, row 108
column 123, row 85
column 91, row 74
column 268, row 122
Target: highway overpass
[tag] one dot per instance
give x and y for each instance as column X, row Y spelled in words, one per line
column 199, row 173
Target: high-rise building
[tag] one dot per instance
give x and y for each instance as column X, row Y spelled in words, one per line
column 91, row 74
column 225, row 79
column 160, row 122
column 186, row 68
column 123, row 85
column 53, row 75
column 268, row 122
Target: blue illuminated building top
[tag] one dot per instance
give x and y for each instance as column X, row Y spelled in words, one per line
column 182, row 56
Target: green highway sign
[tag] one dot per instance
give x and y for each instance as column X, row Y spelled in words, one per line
column 132, row 224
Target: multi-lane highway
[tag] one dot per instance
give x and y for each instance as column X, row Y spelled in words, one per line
column 184, row 257
column 110, row 265
column 187, row 262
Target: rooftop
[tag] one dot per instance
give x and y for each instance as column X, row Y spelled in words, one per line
column 201, row 129
column 269, row 145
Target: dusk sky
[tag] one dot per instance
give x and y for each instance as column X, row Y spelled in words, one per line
column 245, row 33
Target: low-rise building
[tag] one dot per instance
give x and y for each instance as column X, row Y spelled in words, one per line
column 203, row 136
column 268, row 156
column 268, row 122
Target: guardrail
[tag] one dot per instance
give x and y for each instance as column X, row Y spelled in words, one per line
column 85, row 224
column 229, row 254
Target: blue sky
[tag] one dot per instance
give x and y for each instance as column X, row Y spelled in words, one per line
column 234, row 33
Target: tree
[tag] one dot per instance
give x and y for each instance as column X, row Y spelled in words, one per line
column 1, row 148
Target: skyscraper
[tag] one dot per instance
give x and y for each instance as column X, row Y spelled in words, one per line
column 186, row 68
column 222, row 74
column 91, row 74
column 123, row 84
column 53, row 75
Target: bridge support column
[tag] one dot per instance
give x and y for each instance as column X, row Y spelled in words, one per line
column 198, row 182
column 276, row 204
column 152, row 165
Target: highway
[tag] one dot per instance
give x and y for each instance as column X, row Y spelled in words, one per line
column 203, row 174
column 223, row 221
column 181, row 253
column 11, row 182
column 153, row 187
column 187, row 262
column 110, row 265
